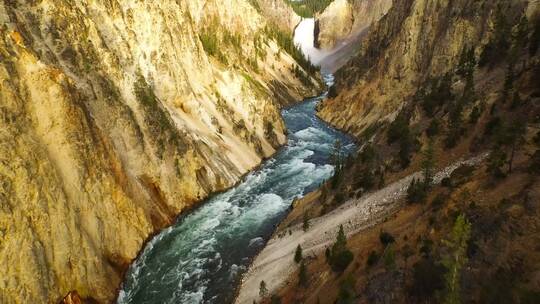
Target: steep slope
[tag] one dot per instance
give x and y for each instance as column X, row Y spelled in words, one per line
column 415, row 41
column 279, row 13
column 435, row 82
column 343, row 20
column 117, row 115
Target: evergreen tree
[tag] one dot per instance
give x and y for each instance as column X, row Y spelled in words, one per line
column 508, row 81
column 305, row 222
column 433, row 128
column 516, row 136
column 457, row 258
column 428, row 164
column 416, row 193
column 263, row 291
column 298, row 254
column 340, row 256
column 497, row 159
column 346, row 293
column 302, row 275
column 337, row 155
column 467, row 62
column 475, row 115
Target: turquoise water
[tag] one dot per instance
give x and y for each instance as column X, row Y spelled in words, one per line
column 200, row 259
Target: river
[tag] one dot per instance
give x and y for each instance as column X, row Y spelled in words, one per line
column 200, row 259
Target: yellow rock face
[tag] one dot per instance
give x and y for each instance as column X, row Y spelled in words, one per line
column 417, row 39
column 342, row 20
column 113, row 119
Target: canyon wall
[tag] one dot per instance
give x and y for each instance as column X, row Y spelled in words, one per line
column 117, row 115
column 343, row 20
column 416, row 40
column 279, row 13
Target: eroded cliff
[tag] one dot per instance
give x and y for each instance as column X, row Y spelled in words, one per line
column 417, row 40
column 114, row 117
column 343, row 20
column 279, row 13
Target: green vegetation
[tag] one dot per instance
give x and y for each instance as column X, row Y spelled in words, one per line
column 389, row 257
column 263, row 291
column 428, row 165
column 302, row 275
column 211, row 42
column 256, row 5
column 497, row 48
column 285, row 41
column 308, row 8
column 400, row 131
column 339, row 257
column 298, row 254
column 160, row 124
column 372, row 259
column 416, row 193
column 435, row 93
column 347, row 293
column 428, row 279
column 386, row 238
column 305, row 222
column 457, row 258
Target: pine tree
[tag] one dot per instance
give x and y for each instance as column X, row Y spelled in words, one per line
column 428, row 163
column 298, row 254
column 516, row 135
column 337, row 155
column 457, row 258
column 341, row 240
column 305, row 222
column 302, row 275
column 508, row 81
column 340, row 256
column 263, row 291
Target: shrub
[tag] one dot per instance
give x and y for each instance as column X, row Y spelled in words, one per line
column 439, row 200
column 389, row 258
column 386, row 238
column 475, row 115
column 275, row 299
column 496, row 160
column 428, row 278
column 399, row 128
column 434, row 128
column 346, row 291
column 372, row 259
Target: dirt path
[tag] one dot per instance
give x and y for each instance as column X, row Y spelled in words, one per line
column 275, row 263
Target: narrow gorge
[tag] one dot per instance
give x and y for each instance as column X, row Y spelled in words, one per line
column 269, row 151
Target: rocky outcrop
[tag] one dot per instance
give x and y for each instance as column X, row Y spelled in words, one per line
column 416, row 40
column 279, row 12
column 115, row 116
column 343, row 20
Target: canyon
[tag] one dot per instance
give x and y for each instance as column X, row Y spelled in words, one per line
column 116, row 116
column 187, row 151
